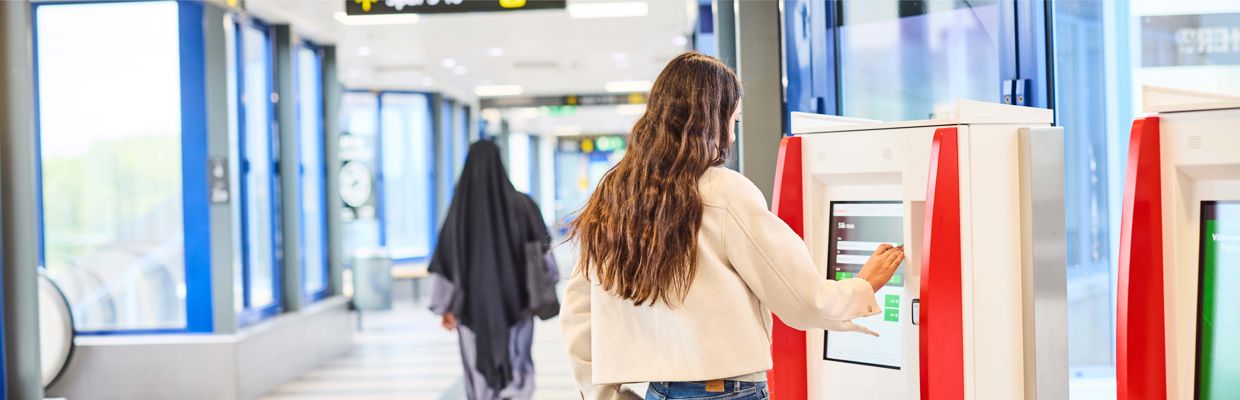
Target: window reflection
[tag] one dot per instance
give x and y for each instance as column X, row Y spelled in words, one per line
column 313, row 213
column 407, row 179
column 110, row 136
column 260, row 224
column 906, row 60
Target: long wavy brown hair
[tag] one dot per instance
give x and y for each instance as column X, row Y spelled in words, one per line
column 638, row 232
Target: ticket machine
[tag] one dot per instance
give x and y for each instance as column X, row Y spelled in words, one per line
column 978, row 310
column 1178, row 311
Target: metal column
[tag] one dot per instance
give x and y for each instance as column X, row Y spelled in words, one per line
column 758, row 63
column 290, row 167
column 18, row 208
column 1044, row 285
column 331, row 160
column 218, row 42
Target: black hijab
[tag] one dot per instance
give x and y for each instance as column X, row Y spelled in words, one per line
column 481, row 251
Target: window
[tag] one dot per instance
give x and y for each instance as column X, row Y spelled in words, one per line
column 448, row 142
column 908, row 60
column 259, row 215
column 312, row 171
column 1104, row 52
column 359, row 135
column 520, row 162
column 110, row 144
column 407, row 180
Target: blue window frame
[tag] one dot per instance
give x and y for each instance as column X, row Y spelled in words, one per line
column 136, row 258
column 312, row 171
column 259, row 189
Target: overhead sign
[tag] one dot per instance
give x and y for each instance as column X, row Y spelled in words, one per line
column 380, row 7
column 611, row 99
column 1201, row 39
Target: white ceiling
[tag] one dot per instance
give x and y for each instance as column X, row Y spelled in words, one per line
column 544, row 51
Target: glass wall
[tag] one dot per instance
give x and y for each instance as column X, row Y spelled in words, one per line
column 359, row 143
column 312, row 171
column 580, row 162
column 906, row 60
column 259, row 218
column 407, row 176
column 111, row 162
column 1105, row 51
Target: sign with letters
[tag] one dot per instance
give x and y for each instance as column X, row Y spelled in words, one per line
column 1181, row 40
column 380, row 7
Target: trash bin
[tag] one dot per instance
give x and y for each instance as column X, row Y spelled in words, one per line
column 372, row 279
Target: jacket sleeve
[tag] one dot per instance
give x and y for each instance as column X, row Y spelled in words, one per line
column 777, row 266
column 575, row 321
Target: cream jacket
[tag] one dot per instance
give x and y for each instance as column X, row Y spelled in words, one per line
column 749, row 264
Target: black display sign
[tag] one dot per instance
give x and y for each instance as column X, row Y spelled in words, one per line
column 1204, row 39
column 381, row 7
column 610, row 99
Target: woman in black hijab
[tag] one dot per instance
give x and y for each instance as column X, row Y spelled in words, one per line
column 479, row 273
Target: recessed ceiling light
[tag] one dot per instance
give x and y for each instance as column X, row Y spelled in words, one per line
column 447, row 63
column 428, row 81
column 680, row 40
column 498, row 90
column 459, row 70
column 609, row 10
column 363, row 51
column 385, row 19
column 627, row 86
column 619, row 57
column 495, row 51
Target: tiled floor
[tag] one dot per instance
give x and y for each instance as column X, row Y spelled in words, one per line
column 404, row 354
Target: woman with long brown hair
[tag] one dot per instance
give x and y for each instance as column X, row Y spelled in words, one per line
column 681, row 263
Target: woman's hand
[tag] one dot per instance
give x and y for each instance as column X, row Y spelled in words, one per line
column 449, row 321
column 882, row 265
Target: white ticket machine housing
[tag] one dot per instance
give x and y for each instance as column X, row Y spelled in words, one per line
column 1180, row 250
column 960, row 320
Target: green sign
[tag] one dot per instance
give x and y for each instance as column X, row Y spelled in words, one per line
column 1218, row 324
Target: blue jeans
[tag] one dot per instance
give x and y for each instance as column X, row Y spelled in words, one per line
column 732, row 390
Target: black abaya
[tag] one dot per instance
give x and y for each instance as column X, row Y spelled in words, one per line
column 481, row 252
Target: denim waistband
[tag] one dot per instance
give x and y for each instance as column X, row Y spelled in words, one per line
column 729, row 386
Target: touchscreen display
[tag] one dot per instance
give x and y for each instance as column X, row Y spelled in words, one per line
column 1218, row 321
column 857, row 228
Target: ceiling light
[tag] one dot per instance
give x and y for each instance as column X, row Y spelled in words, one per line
column 627, row 86
column 495, row 52
column 631, row 109
column 619, row 57
column 680, row 40
column 609, row 10
column 448, row 63
column 385, row 19
column 497, row 90
column 459, row 70
column 363, row 51
column 428, row 81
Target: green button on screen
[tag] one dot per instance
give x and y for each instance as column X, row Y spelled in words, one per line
column 892, row 301
column 892, row 314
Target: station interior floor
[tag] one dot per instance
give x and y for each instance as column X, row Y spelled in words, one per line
column 405, row 354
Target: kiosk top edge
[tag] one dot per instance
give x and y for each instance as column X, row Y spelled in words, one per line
column 1157, row 99
column 963, row 113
